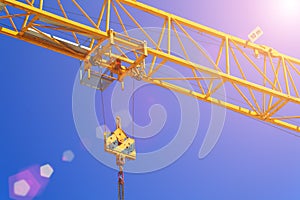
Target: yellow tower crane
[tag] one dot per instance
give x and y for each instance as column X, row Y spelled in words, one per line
column 230, row 65
column 264, row 81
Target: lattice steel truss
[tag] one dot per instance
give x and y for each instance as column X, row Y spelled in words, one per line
column 259, row 81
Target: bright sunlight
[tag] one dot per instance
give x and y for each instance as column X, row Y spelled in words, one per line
column 290, row 7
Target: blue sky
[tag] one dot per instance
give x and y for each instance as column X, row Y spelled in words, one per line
column 252, row 160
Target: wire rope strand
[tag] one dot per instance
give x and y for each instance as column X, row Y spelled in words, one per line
column 103, row 110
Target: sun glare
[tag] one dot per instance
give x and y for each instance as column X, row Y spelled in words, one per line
column 290, row 7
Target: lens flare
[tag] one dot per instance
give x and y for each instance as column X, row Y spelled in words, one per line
column 289, row 7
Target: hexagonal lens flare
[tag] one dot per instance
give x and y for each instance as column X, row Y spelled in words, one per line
column 46, row 171
column 21, row 188
column 68, row 156
column 29, row 183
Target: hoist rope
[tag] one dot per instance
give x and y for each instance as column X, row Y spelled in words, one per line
column 103, row 111
column 133, row 87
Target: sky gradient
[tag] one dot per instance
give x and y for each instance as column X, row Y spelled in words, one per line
column 251, row 160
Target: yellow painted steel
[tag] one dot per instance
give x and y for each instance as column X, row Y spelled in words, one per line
column 275, row 92
column 119, row 143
